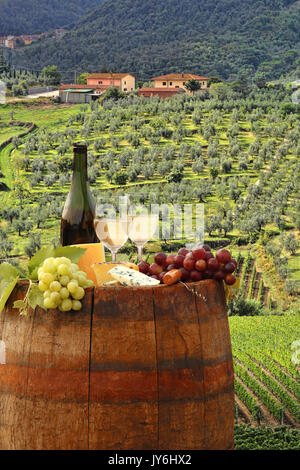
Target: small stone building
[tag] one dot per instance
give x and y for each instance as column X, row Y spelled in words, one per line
column 77, row 94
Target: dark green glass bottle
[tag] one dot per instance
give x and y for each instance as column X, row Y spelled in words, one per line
column 77, row 222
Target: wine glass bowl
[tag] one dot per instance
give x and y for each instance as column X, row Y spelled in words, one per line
column 141, row 229
column 113, row 233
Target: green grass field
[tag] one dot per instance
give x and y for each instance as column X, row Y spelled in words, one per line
column 34, row 110
column 7, row 131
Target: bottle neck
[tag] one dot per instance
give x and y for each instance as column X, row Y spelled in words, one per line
column 80, row 169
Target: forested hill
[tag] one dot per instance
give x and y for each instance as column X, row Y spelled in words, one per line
column 150, row 37
column 37, row 16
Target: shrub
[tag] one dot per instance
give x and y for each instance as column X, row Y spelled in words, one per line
column 120, row 178
column 240, row 306
column 175, row 176
column 291, row 286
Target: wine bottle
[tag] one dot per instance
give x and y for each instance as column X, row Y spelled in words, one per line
column 77, row 222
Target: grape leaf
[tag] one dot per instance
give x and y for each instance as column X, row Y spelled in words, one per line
column 8, row 271
column 35, row 297
column 74, row 253
column 38, row 259
column 8, row 279
column 22, row 273
column 19, row 304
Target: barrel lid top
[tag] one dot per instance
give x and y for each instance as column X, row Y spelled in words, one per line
column 189, row 286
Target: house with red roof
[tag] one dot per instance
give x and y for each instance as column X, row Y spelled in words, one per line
column 123, row 81
column 178, row 80
column 171, row 84
column 97, row 84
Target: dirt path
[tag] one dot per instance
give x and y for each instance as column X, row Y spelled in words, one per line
column 266, row 296
column 247, row 278
column 48, row 94
column 243, row 410
column 240, row 266
column 256, row 284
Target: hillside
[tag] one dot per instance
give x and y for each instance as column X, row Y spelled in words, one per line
column 35, row 16
column 149, row 37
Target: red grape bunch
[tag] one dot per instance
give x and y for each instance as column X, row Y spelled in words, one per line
column 192, row 266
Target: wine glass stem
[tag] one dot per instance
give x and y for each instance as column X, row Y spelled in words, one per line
column 114, row 255
column 140, row 252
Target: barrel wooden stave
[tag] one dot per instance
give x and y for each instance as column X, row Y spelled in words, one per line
column 217, row 365
column 137, row 368
column 185, row 386
column 57, row 412
column 123, row 399
column 52, row 377
column 15, row 333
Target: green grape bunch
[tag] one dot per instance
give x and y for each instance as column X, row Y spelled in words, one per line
column 63, row 284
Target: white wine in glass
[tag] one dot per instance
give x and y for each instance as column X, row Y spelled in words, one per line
column 113, row 233
column 141, row 229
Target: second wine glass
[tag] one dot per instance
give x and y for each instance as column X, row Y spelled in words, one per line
column 141, row 229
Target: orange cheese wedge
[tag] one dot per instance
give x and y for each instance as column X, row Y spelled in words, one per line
column 101, row 271
column 94, row 254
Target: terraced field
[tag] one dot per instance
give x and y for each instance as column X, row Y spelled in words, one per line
column 252, row 282
column 9, row 131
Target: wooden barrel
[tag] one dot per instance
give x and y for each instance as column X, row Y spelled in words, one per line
column 137, row 368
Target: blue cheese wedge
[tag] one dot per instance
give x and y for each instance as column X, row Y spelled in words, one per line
column 130, row 277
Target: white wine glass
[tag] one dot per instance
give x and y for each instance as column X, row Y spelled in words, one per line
column 141, row 229
column 113, row 233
